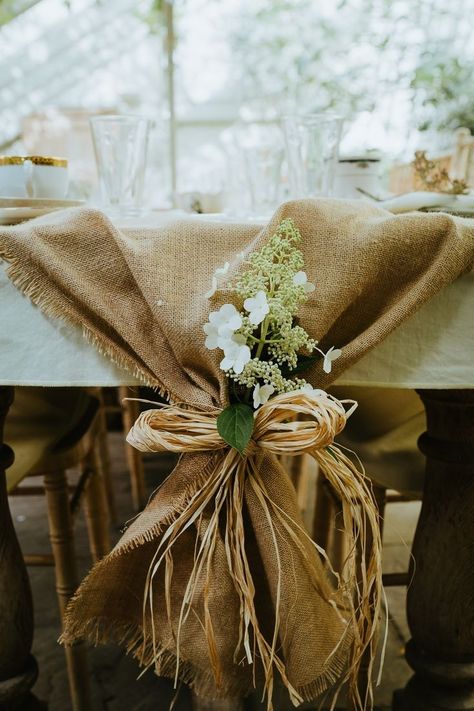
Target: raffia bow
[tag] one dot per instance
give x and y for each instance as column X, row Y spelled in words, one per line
column 289, row 424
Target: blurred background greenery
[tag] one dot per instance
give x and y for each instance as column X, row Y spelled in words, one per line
column 399, row 71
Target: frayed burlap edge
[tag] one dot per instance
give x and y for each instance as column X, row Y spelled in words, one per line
column 102, row 630
column 25, row 278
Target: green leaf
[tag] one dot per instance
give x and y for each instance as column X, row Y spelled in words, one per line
column 235, row 425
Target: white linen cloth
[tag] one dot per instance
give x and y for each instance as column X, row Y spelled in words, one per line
column 432, row 349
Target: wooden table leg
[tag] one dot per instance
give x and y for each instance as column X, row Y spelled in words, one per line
column 18, row 670
column 440, row 600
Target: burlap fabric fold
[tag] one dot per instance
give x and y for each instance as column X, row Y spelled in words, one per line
column 140, row 296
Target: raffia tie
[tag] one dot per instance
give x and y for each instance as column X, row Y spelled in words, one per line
column 289, row 424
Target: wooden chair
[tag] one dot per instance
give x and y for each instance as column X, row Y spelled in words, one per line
column 459, row 163
column 117, row 403
column 51, row 431
column 130, row 412
column 462, row 160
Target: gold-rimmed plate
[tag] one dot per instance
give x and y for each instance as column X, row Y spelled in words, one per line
column 16, row 210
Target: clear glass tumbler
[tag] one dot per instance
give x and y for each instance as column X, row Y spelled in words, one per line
column 120, row 144
column 255, row 159
column 263, row 170
column 312, row 147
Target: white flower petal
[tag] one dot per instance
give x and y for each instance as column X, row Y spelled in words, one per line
column 257, row 316
column 221, row 271
column 265, row 392
column 212, row 290
column 257, row 307
column 261, row 394
column 331, row 355
column 249, row 304
column 230, row 343
column 226, row 363
column 300, row 278
column 233, row 323
column 242, row 358
column 227, row 311
column 211, row 341
column 309, row 286
column 308, row 388
column 225, row 343
column 256, row 396
column 218, row 273
column 226, row 320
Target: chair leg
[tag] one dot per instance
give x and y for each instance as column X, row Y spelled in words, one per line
column 105, row 456
column 96, row 509
column 130, row 412
column 62, row 543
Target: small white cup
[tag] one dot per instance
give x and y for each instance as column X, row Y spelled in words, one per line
column 33, row 176
column 48, row 177
column 13, row 177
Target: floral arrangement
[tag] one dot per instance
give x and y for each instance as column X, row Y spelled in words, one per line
column 433, row 178
column 263, row 345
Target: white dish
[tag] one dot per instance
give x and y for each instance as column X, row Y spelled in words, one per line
column 38, row 202
column 230, row 219
column 424, row 200
column 16, row 210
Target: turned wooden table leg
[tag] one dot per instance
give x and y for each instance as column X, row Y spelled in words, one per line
column 18, row 670
column 440, row 600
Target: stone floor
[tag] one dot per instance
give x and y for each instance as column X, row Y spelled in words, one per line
column 114, row 676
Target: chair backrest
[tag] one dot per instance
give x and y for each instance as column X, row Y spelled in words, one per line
column 462, row 161
column 459, row 164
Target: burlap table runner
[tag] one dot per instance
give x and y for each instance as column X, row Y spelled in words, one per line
column 140, row 296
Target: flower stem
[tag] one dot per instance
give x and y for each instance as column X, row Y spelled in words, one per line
column 263, row 333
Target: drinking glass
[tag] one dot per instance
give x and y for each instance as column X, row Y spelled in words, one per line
column 120, row 144
column 255, row 160
column 263, row 170
column 312, row 146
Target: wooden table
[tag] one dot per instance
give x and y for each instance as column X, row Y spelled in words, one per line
column 432, row 352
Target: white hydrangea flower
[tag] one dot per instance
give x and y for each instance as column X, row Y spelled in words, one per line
column 301, row 279
column 226, row 320
column 261, row 393
column 221, row 326
column 218, row 273
column 257, row 307
column 214, row 340
column 308, row 388
column 331, row 355
column 236, row 355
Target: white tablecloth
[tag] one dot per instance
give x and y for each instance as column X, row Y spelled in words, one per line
column 432, row 349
